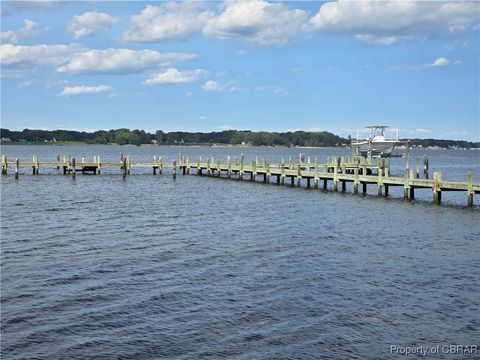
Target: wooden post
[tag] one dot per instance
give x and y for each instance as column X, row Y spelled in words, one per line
column 470, row 191
column 267, row 173
column 325, row 183
column 241, row 167
column 355, row 181
column 4, row 165
column 418, row 169
column 174, row 165
column 254, row 170
column 335, row 176
column 379, row 179
column 229, row 172
column 124, row 167
column 154, row 167
column 437, row 191
column 199, row 168
column 188, row 165
column 386, row 190
column 218, row 167
column 58, row 161
column 364, row 187
column 425, row 167
column 412, row 189
column 208, row 166
column 315, row 179
column 387, row 172
column 282, row 175
column 73, row 168
column 129, row 166
column 160, row 165
column 406, row 183
column 299, row 174
column 99, row 165
column 344, row 186
column 17, row 165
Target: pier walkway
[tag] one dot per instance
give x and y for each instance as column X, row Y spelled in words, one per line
column 339, row 171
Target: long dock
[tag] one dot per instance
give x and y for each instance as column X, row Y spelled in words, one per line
column 337, row 170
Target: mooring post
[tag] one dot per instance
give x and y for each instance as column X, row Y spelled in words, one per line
column 174, row 166
column 99, row 165
column 437, row 191
column 154, row 168
column 254, row 170
column 229, row 171
column 299, row 174
column 406, row 183
column 160, row 165
column 315, row 179
column 73, row 169
column 241, row 167
column 425, row 167
column 379, row 178
column 470, row 191
column 355, row 181
column 58, row 161
column 364, row 188
column 267, row 173
column 418, row 169
column 4, row 165
column 412, row 188
column 17, row 166
column 124, row 167
column 199, row 169
column 335, row 175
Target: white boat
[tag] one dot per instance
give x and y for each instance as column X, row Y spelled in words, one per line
column 376, row 145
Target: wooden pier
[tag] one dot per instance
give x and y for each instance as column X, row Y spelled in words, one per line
column 339, row 171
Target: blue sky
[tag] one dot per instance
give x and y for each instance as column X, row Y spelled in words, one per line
column 211, row 66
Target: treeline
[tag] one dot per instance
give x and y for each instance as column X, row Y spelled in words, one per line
column 444, row 143
column 138, row 137
column 232, row 137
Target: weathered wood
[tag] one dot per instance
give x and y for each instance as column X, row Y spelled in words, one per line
column 17, row 166
column 355, row 181
column 335, row 176
column 470, row 191
column 73, row 169
column 437, row 191
column 425, row 167
column 174, row 169
column 379, row 179
column 124, row 167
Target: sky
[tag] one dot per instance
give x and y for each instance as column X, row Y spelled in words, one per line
column 245, row 65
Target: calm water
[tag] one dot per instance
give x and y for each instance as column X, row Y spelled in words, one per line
column 196, row 268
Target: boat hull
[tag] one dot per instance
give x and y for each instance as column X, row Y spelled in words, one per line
column 380, row 148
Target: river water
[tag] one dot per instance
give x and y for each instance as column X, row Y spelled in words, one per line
column 150, row 267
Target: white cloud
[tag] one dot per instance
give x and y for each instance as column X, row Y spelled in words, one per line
column 211, row 85
column 120, row 61
column 384, row 22
column 376, row 40
column 90, row 23
column 84, row 90
column 26, row 83
column 439, row 62
column 13, row 57
column 173, row 76
column 168, row 21
column 29, row 30
column 263, row 23
column 203, row 117
column 271, row 88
